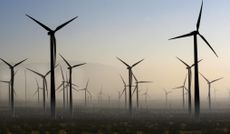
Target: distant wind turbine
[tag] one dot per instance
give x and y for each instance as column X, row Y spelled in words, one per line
column 86, row 92
column 37, row 91
column 70, row 82
column 209, row 88
column 136, row 89
column 196, row 33
column 130, row 74
column 51, row 33
column 189, row 67
column 12, row 82
column 146, row 95
column 44, row 87
column 166, row 96
column 124, row 91
column 183, row 88
column 63, row 85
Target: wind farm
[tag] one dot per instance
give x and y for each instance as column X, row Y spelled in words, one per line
column 119, row 67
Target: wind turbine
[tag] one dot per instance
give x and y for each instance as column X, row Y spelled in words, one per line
column 86, row 91
column 51, row 33
column 137, row 88
column 146, row 95
column 44, row 87
column 12, row 82
column 130, row 74
column 37, row 91
column 63, row 85
column 209, row 88
column 196, row 33
column 70, row 82
column 124, row 90
column 189, row 67
column 183, row 88
column 166, row 96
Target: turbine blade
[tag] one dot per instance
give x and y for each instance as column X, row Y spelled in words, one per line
column 37, row 83
column 182, row 36
column 35, row 92
column 123, row 80
column 134, row 77
column 35, row 72
column 179, row 87
column 64, row 24
column 182, row 61
column 87, row 85
column 123, row 91
column 199, row 18
column 59, row 86
column 123, row 62
column 62, row 73
column 208, row 44
column 47, row 73
column 217, row 79
column 88, row 92
column 75, row 89
column 65, row 60
column 54, row 49
column 134, row 90
column 78, row 65
column 19, row 62
column 74, row 85
column 145, row 82
column 185, row 80
column 205, row 78
column 39, row 23
column 6, row 62
column 46, row 87
column 137, row 63
column 4, row 81
column 197, row 62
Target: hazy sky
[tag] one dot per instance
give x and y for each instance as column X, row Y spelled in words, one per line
column 130, row 29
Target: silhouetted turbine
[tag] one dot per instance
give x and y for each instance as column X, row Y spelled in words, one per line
column 130, row 80
column 44, row 87
column 124, row 91
column 183, row 88
column 63, row 87
column 146, row 95
column 209, row 89
column 196, row 68
column 137, row 88
column 51, row 33
column 37, row 91
column 12, row 82
column 86, row 91
column 166, row 96
column 70, row 82
column 189, row 67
